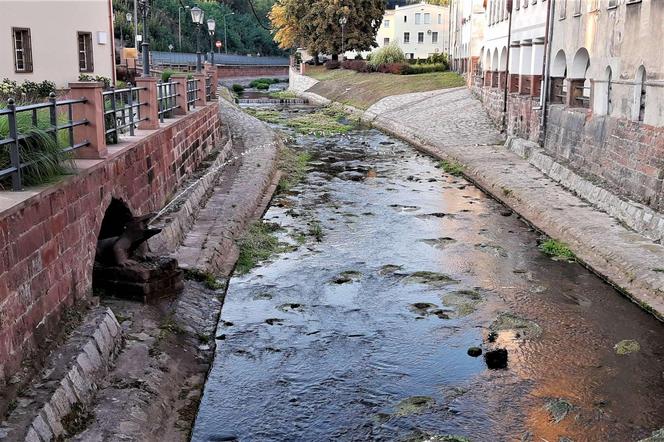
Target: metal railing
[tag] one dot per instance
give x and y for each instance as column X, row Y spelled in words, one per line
column 19, row 137
column 192, row 93
column 167, row 94
column 122, row 112
column 208, row 88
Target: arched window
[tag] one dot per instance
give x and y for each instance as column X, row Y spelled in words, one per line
column 640, row 94
column 558, row 75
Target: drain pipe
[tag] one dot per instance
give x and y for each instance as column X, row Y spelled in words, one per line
column 507, row 65
column 546, row 71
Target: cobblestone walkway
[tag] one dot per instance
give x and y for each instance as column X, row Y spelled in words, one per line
column 451, row 124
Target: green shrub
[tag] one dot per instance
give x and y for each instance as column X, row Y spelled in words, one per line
column 415, row 69
column 263, row 86
column 27, row 91
column 238, row 89
column 389, row 54
column 166, row 75
column 105, row 80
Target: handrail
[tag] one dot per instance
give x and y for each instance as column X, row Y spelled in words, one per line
column 19, row 138
column 122, row 110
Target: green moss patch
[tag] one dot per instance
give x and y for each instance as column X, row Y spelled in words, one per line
column 258, row 244
column 465, row 302
column 451, row 167
column 626, row 347
column 558, row 409
column 324, row 122
column 429, row 278
column 294, row 166
column 510, row 322
column 413, row 405
column 557, row 250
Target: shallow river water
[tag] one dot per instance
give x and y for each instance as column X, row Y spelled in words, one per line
column 364, row 335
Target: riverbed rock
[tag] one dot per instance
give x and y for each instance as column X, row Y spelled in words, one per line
column 439, row 243
column 626, row 347
column 511, row 322
column 413, row 405
column 496, row 359
column 474, row 352
column 656, row 436
column 430, row 278
column 389, row 269
column 464, row 302
column 558, row 409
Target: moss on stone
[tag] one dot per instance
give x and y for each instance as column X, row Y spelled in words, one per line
column 626, row 347
column 413, row 405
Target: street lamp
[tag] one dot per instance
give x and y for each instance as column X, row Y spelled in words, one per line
column 144, row 45
column 342, row 21
column 226, row 32
column 197, row 16
column 180, row 27
column 211, row 27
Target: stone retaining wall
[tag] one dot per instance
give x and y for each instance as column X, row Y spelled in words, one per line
column 48, row 241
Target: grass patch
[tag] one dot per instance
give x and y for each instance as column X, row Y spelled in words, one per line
column 269, row 116
column 361, row 90
column 506, row 191
column 258, row 244
column 557, row 250
column 293, row 164
column 451, row 167
column 283, row 95
column 316, row 230
column 324, row 122
column 208, row 279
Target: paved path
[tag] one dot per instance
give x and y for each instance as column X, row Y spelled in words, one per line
column 452, row 124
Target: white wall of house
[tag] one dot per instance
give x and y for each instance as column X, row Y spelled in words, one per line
column 54, row 26
column 420, row 30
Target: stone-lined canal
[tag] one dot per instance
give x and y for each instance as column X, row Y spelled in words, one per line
column 360, row 329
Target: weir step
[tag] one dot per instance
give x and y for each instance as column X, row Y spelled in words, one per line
column 287, row 101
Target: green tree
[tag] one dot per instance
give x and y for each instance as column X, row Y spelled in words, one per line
column 314, row 24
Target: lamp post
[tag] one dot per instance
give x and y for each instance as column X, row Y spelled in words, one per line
column 197, row 16
column 144, row 44
column 180, row 8
column 342, row 21
column 211, row 24
column 128, row 17
column 226, row 32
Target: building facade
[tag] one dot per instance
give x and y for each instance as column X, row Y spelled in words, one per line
column 420, row 30
column 584, row 79
column 56, row 40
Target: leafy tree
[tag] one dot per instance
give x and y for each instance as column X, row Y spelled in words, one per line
column 314, row 24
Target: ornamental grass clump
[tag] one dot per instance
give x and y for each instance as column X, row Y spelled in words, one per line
column 389, row 54
column 40, row 152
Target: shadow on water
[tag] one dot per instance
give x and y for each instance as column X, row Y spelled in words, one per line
column 365, row 334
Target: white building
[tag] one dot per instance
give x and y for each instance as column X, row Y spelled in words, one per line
column 56, row 40
column 420, row 30
column 467, row 34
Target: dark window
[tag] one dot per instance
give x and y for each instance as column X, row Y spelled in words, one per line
column 22, row 49
column 85, row 60
column 434, row 37
column 406, row 37
column 641, row 84
column 420, row 37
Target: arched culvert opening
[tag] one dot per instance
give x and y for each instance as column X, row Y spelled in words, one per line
column 122, row 266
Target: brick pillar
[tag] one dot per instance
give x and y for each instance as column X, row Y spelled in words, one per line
column 93, row 111
column 181, row 99
column 303, row 68
column 535, row 85
column 201, row 89
column 210, row 72
column 148, row 96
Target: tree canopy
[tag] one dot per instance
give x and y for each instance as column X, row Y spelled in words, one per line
column 314, row 24
column 245, row 35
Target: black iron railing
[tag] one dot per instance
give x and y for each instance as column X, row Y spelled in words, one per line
column 25, row 124
column 192, row 93
column 122, row 112
column 208, row 88
column 167, row 94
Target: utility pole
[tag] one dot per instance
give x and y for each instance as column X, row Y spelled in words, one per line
column 136, row 24
column 226, row 33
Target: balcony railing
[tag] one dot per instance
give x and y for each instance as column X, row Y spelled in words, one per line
column 27, row 124
column 122, row 111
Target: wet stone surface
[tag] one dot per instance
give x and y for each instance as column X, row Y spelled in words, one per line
column 364, row 335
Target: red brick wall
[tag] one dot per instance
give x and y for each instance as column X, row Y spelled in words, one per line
column 251, row 71
column 47, row 243
column 627, row 157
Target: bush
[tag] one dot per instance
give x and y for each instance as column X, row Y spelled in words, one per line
column 332, row 64
column 99, row 78
column 28, row 90
column 356, row 65
column 262, row 86
column 415, row 69
column 238, row 89
column 359, row 57
column 166, row 75
column 389, row 54
column 393, row 68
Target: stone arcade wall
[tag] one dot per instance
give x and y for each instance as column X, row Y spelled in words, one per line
column 47, row 242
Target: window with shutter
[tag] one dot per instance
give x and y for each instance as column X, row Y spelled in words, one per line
column 85, row 58
column 22, row 50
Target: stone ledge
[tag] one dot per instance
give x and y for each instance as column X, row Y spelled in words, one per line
column 642, row 219
column 70, row 377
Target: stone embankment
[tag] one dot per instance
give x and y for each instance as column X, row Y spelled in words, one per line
column 134, row 371
column 451, row 124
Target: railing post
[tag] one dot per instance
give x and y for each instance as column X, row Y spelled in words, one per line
column 200, row 100
column 14, row 154
column 180, row 81
column 148, row 95
column 92, row 111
